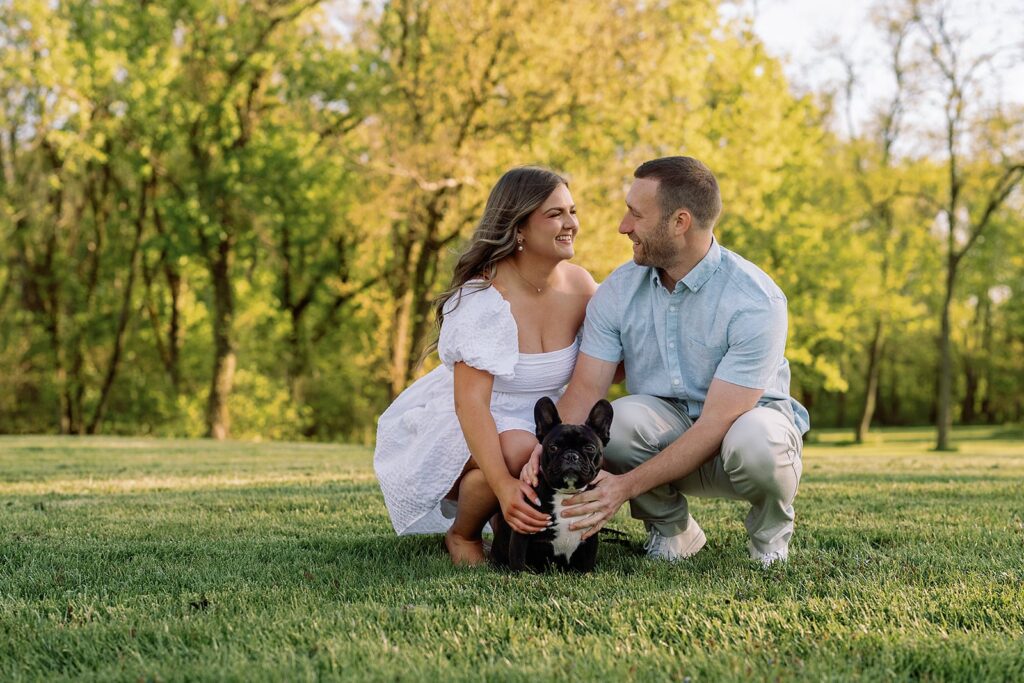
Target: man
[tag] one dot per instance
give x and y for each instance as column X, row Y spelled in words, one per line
column 701, row 332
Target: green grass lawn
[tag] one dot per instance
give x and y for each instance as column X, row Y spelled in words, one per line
column 133, row 559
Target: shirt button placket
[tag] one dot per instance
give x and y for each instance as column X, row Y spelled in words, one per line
column 672, row 331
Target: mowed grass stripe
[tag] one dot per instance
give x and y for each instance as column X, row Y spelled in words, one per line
column 122, row 560
column 80, row 487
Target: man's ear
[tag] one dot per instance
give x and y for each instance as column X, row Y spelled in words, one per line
column 545, row 415
column 683, row 221
column 600, row 420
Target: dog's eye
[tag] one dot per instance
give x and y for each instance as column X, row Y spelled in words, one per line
column 553, row 448
column 590, row 449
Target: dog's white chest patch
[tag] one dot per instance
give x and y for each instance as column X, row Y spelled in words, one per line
column 565, row 541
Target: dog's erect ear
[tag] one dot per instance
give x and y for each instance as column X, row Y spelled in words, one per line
column 600, row 420
column 545, row 414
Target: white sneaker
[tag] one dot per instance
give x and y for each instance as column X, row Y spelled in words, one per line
column 678, row 547
column 769, row 558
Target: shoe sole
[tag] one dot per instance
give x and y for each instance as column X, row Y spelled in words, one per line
column 759, row 558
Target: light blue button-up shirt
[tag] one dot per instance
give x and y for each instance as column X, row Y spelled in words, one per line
column 725, row 319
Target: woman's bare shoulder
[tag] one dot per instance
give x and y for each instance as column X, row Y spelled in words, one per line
column 579, row 279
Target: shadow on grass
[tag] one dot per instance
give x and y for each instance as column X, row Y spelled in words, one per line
column 1008, row 433
column 425, row 556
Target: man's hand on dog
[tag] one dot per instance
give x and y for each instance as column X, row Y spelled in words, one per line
column 514, row 496
column 599, row 503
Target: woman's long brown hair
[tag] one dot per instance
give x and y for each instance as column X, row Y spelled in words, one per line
column 513, row 198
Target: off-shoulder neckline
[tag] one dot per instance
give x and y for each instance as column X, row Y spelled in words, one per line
column 515, row 325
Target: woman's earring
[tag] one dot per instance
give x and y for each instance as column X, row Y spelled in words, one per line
column 520, row 241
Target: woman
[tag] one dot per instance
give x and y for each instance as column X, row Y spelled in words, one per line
column 455, row 441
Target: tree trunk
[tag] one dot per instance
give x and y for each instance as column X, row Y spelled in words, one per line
column 971, row 382
column 944, row 407
column 400, row 332
column 870, row 384
column 122, row 323
column 296, row 307
column 987, row 407
column 218, row 420
column 76, row 390
column 417, row 272
column 425, row 274
column 61, row 375
column 298, row 361
column 412, row 320
column 173, row 276
column 174, row 331
column 52, row 306
column 46, row 274
column 888, row 403
column 895, row 404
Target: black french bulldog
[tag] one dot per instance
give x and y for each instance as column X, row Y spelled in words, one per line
column 569, row 462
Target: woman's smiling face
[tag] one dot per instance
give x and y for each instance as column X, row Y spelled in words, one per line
column 551, row 229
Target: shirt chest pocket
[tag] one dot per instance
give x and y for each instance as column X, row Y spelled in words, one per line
column 700, row 362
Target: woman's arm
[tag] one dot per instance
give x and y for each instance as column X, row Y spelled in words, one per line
column 473, row 407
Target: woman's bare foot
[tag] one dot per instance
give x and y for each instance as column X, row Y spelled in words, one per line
column 464, row 551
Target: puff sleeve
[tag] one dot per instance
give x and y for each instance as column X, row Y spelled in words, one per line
column 479, row 330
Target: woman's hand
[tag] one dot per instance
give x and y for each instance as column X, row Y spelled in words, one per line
column 514, row 496
column 529, row 472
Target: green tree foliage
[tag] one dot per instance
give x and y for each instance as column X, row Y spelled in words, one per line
column 224, row 217
column 75, row 196
column 891, row 220
column 473, row 88
column 976, row 183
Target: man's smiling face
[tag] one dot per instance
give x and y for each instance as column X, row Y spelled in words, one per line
column 647, row 229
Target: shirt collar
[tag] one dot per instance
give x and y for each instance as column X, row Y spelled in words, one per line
column 703, row 271
column 700, row 274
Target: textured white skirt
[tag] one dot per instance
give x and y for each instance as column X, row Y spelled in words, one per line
column 421, row 450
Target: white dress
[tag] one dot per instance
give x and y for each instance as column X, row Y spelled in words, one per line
column 421, row 450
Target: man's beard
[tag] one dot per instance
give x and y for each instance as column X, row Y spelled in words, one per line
column 657, row 249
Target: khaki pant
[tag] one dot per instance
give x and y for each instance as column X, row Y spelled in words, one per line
column 759, row 462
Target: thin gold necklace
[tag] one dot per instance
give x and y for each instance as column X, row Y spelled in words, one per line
column 523, row 278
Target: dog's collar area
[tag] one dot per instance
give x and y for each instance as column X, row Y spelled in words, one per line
column 572, row 492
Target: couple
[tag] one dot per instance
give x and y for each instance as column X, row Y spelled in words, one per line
column 700, row 331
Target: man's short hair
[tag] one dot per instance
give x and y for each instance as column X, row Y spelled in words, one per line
column 684, row 182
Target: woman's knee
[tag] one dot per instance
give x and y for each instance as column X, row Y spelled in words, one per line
column 517, row 448
column 516, row 462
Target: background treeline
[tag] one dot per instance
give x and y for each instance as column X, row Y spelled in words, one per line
column 230, row 218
